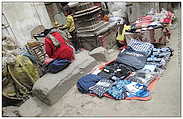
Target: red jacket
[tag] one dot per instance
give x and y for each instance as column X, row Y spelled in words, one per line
column 63, row 52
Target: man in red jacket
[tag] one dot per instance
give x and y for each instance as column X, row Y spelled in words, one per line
column 56, row 46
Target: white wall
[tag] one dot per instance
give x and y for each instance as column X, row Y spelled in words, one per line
column 117, row 8
column 23, row 17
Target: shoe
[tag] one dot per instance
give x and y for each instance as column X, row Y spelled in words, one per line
column 77, row 52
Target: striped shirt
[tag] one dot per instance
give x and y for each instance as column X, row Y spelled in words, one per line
column 139, row 46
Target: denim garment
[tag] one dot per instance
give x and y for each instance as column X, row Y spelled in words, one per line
column 153, row 59
column 118, row 91
column 132, row 58
column 85, row 82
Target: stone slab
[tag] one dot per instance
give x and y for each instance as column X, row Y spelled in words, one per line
column 33, row 107
column 51, row 87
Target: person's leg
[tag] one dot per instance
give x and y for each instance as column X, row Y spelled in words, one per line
column 118, row 44
column 74, row 40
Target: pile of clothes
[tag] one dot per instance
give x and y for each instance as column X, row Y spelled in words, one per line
column 153, row 28
column 153, row 20
column 130, row 75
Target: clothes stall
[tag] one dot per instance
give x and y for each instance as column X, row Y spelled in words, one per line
column 131, row 76
column 153, row 28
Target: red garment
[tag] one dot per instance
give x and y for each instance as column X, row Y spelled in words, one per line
column 166, row 20
column 146, row 18
column 63, row 52
column 143, row 24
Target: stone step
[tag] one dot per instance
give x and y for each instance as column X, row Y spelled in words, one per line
column 91, row 27
column 103, row 29
column 33, row 107
column 51, row 87
column 97, row 28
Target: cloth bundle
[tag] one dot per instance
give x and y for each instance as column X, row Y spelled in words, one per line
column 159, row 56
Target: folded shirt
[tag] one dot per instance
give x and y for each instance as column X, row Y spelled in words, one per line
column 143, row 47
column 132, row 58
column 101, row 87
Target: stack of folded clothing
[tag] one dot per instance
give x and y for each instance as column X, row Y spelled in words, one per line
column 160, row 56
column 130, row 75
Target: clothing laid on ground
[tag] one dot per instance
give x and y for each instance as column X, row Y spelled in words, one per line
column 159, row 56
column 101, row 87
column 142, row 47
column 132, row 74
column 135, row 89
column 118, row 91
column 142, row 77
column 115, row 70
column 132, row 58
column 85, row 82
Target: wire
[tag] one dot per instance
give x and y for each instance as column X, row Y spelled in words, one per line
column 37, row 13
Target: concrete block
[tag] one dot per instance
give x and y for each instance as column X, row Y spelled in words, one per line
column 99, row 54
column 33, row 107
column 51, row 87
column 10, row 111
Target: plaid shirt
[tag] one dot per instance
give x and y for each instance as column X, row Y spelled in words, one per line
column 141, row 46
column 101, row 87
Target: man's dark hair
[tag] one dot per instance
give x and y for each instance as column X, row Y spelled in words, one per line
column 67, row 9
